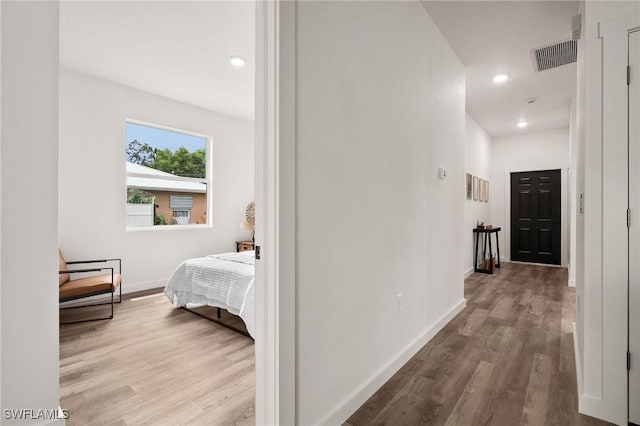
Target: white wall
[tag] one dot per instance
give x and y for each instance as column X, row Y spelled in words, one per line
column 478, row 163
column 92, row 179
column 380, row 106
column 527, row 152
column 29, row 227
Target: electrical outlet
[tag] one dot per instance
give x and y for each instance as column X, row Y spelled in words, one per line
column 399, row 302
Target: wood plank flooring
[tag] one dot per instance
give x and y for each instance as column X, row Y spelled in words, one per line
column 506, row 359
column 153, row 364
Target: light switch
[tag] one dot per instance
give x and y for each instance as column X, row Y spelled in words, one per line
column 442, row 173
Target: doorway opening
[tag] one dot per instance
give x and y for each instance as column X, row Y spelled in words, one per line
column 175, row 64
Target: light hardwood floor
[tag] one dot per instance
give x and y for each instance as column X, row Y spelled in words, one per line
column 507, row 359
column 153, row 364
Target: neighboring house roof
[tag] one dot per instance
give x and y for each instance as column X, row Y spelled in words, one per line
column 152, row 180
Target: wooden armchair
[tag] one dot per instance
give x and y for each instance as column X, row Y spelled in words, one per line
column 88, row 286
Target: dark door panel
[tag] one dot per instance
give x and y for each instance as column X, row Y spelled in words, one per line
column 525, row 241
column 545, row 205
column 545, row 241
column 535, row 216
column 524, row 204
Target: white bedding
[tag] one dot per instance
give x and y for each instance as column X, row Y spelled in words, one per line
column 222, row 280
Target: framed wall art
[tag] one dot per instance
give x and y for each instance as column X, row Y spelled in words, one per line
column 475, row 188
column 486, row 191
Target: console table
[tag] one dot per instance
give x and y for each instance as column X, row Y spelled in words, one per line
column 486, row 235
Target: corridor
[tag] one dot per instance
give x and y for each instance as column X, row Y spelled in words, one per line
column 506, row 359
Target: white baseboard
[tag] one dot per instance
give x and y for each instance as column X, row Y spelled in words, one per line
column 468, row 272
column 517, row 262
column 126, row 288
column 589, row 405
column 576, row 351
column 595, row 407
column 132, row 288
column 353, row 401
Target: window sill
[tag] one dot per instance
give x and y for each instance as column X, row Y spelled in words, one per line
column 166, row 227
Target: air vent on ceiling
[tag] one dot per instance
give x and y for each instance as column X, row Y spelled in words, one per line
column 555, row 55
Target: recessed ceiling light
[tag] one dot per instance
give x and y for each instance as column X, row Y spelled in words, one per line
column 522, row 124
column 500, row 78
column 237, row 61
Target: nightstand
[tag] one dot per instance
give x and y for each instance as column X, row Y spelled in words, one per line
column 244, row 246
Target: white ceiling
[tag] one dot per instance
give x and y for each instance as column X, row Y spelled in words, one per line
column 179, row 50
column 496, row 37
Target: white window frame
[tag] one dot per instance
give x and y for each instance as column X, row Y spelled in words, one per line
column 188, row 215
column 207, row 178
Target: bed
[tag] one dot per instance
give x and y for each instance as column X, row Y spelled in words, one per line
column 223, row 281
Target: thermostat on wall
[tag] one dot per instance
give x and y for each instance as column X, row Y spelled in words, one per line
column 442, row 173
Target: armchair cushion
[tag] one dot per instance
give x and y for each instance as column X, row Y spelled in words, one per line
column 62, row 266
column 89, row 285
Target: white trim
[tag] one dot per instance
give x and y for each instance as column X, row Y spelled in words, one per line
column 163, row 228
column 126, row 289
column 275, row 213
column 167, row 128
column 634, row 234
column 576, row 352
column 588, row 405
column 571, row 281
column 591, row 406
column 468, row 272
column 147, row 285
column 264, row 351
column 361, row 394
column 550, row 265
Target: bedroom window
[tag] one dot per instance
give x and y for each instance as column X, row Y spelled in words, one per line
column 167, row 177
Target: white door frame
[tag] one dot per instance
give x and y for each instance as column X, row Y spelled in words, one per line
column 604, row 392
column 634, row 252
column 275, row 213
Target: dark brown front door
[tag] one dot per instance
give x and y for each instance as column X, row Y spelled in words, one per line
column 535, row 216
